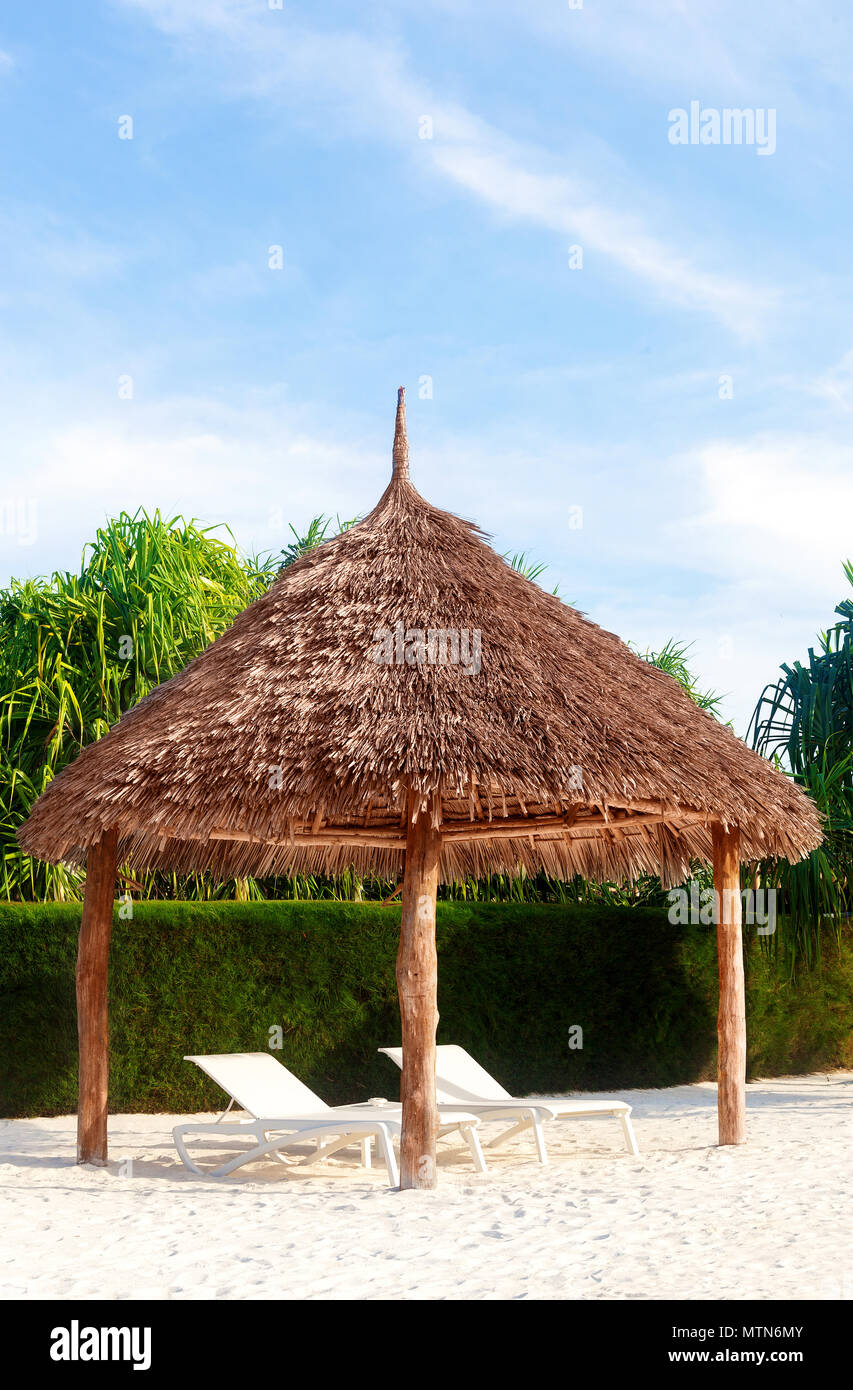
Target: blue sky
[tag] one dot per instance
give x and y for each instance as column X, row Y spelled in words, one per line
column 717, row 514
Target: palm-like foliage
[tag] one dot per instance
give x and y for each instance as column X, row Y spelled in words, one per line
column 317, row 533
column 77, row 650
column 527, row 568
column 672, row 658
column 809, row 710
column 805, row 723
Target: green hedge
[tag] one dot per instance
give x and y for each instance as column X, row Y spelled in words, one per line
column 513, row 980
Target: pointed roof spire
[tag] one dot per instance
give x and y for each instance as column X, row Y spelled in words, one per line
column 401, row 443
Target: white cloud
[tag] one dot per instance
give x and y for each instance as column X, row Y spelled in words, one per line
column 778, row 509
column 772, row 537
column 256, row 467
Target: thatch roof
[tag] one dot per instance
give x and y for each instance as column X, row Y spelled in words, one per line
column 287, row 746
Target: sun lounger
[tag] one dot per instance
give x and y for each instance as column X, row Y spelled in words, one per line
column 460, row 1081
column 283, row 1112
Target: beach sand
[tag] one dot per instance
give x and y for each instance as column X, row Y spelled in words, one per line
column 771, row 1219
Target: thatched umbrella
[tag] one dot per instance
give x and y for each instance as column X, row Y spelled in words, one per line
column 402, row 700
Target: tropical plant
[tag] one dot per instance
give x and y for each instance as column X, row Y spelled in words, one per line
column 804, row 722
column 528, row 569
column 77, row 650
column 317, row 533
column 672, row 658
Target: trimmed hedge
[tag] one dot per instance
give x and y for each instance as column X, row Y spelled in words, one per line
column 513, row 980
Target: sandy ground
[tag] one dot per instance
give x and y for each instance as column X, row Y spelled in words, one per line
column 772, row 1219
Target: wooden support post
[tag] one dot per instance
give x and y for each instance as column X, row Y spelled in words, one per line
column 731, row 1018
column 417, row 982
column 93, row 954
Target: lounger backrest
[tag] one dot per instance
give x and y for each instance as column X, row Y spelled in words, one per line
column 457, row 1076
column 260, row 1084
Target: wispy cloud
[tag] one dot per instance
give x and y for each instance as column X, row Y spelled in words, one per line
column 835, row 385
column 367, row 88
column 35, row 239
column 500, row 178
column 763, row 52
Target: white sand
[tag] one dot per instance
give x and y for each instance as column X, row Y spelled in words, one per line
column 773, row 1219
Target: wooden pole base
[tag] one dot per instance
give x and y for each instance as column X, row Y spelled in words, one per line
column 93, row 953
column 417, row 985
column 731, row 1019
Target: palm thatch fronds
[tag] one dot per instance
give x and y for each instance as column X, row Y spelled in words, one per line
column 405, row 655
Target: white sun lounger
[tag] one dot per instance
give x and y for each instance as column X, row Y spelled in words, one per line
column 284, row 1112
column 460, row 1081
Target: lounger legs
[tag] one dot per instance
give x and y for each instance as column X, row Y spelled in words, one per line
column 468, row 1133
column 247, row 1156
column 472, row 1139
column 532, row 1120
column 326, row 1148
column 630, row 1139
column 389, row 1158
column 518, row 1128
column 539, row 1135
column 275, row 1145
column 529, row 1120
column 386, row 1149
